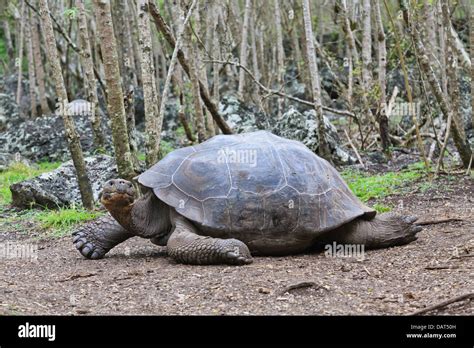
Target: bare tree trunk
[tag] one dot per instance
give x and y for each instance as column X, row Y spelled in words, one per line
column 430, row 27
column 200, row 66
column 366, row 46
column 89, row 77
column 162, row 27
column 405, row 76
column 125, row 55
column 39, row 67
column 71, row 135
column 350, row 35
column 150, row 95
column 280, row 55
column 458, row 47
column 133, row 25
column 445, row 106
column 216, row 49
column 323, row 148
column 459, row 134
column 31, row 65
column 244, row 48
column 297, row 57
column 382, row 66
column 20, row 52
column 115, row 102
column 193, row 77
column 471, row 46
column 442, row 49
column 8, row 41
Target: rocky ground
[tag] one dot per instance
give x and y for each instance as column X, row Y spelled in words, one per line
column 138, row 277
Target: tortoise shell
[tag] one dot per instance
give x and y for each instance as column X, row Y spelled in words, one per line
column 254, row 182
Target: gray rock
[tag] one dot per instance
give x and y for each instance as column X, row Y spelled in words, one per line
column 7, row 159
column 59, row 187
column 44, row 138
column 303, row 127
column 9, row 113
column 241, row 118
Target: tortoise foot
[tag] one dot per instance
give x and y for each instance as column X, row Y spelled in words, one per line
column 388, row 230
column 96, row 238
column 86, row 246
column 234, row 252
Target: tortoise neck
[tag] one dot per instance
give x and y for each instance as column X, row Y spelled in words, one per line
column 149, row 217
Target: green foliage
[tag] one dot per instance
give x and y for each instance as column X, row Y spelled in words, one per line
column 71, row 13
column 165, row 148
column 180, row 132
column 381, row 208
column 61, row 221
column 18, row 172
column 3, row 55
column 367, row 186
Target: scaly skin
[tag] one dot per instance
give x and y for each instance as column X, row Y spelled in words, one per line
column 186, row 246
column 96, row 238
column 384, row 230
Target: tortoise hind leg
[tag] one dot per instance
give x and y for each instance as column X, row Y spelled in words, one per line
column 186, row 246
column 96, row 238
column 383, row 231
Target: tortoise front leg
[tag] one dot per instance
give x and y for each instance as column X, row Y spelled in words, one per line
column 96, row 238
column 186, row 246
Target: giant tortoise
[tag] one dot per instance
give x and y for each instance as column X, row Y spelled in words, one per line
column 234, row 196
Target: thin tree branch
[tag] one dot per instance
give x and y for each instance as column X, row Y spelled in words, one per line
column 278, row 92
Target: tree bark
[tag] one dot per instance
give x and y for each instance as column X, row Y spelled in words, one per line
column 19, row 60
column 323, row 148
column 244, row 48
column 115, row 102
column 8, row 41
column 39, row 67
column 366, row 46
column 382, row 66
column 89, row 77
column 31, row 65
column 194, row 78
column 280, row 55
column 125, row 56
column 150, row 94
column 471, row 46
column 71, row 135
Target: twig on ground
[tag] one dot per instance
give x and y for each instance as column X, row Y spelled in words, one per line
column 300, row 285
column 440, row 305
column 440, row 221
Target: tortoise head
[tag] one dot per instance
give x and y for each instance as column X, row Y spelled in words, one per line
column 117, row 193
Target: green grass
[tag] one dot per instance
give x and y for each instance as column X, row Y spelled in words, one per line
column 60, row 222
column 18, row 172
column 381, row 208
column 368, row 187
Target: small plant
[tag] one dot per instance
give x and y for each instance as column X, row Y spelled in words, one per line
column 381, row 208
column 367, row 187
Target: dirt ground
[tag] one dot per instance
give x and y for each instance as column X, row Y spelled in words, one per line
column 138, row 277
